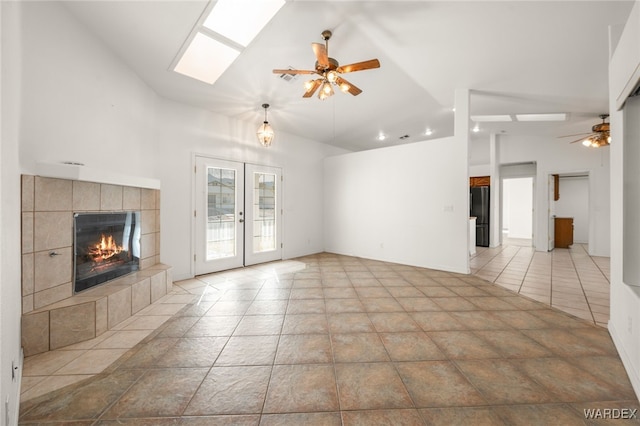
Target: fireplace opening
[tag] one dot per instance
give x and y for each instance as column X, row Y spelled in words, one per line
column 106, row 246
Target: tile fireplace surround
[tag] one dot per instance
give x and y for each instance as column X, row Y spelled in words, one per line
column 51, row 315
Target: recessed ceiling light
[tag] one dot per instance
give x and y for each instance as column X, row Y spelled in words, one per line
column 241, row 20
column 491, row 118
column 381, row 136
column 206, row 59
column 428, row 132
column 541, row 117
column 476, row 129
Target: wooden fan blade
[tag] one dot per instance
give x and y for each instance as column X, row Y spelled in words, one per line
column 579, row 140
column 577, row 134
column 359, row 66
column 313, row 88
column 355, row 91
column 320, row 51
column 294, row 72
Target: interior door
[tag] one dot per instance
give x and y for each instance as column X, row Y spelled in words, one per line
column 263, row 207
column 219, row 215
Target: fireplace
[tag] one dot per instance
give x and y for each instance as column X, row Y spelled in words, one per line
column 106, row 246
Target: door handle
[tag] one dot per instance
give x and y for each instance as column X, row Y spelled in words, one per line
column 241, row 220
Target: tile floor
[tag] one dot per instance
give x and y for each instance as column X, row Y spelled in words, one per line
column 329, row 339
column 566, row 279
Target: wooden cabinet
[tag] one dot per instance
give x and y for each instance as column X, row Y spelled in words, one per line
column 563, row 232
column 480, row 181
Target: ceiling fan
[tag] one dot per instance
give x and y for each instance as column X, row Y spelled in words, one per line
column 329, row 71
column 598, row 137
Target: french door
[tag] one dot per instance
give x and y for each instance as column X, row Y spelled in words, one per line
column 238, row 220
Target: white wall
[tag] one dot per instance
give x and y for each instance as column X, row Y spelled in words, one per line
column 624, row 322
column 10, row 288
column 183, row 131
column 555, row 156
column 479, row 170
column 517, row 206
column 405, row 204
column 574, row 202
column 479, row 156
column 81, row 103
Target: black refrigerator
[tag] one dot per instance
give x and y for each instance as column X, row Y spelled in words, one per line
column 480, row 209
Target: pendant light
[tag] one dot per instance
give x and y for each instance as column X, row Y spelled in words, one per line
column 265, row 132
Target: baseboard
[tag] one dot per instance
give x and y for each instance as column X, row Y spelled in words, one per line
column 626, row 359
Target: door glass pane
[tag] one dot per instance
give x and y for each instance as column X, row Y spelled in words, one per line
column 221, row 213
column 264, row 212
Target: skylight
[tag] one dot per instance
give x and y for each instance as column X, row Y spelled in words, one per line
column 542, row 117
column 241, row 20
column 206, row 59
column 220, row 38
column 490, row 118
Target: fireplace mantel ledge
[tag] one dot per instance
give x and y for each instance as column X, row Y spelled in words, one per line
column 88, row 174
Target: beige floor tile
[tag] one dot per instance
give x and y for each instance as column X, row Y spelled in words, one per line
column 341, row 340
column 123, row 339
column 438, row 384
column 47, row 363
column 146, row 322
column 51, row 383
column 91, row 362
column 162, row 309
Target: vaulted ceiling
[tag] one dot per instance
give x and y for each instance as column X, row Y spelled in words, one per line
column 515, row 56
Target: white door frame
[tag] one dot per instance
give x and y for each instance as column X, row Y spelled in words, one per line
column 246, row 218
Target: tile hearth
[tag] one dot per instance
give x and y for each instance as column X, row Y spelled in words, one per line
column 330, row 339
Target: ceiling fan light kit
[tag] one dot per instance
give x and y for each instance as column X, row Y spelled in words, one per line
column 265, row 131
column 599, row 137
column 329, row 71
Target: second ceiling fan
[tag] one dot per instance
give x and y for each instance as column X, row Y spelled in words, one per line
column 329, row 71
column 600, row 135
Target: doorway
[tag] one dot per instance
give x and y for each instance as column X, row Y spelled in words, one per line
column 517, row 211
column 569, row 207
column 573, row 202
column 237, row 215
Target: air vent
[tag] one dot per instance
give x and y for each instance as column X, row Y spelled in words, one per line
column 289, row 77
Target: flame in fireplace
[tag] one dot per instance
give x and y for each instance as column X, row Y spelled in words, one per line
column 105, row 249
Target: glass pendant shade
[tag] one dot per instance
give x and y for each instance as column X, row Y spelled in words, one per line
column 325, row 90
column 265, row 134
column 265, row 131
